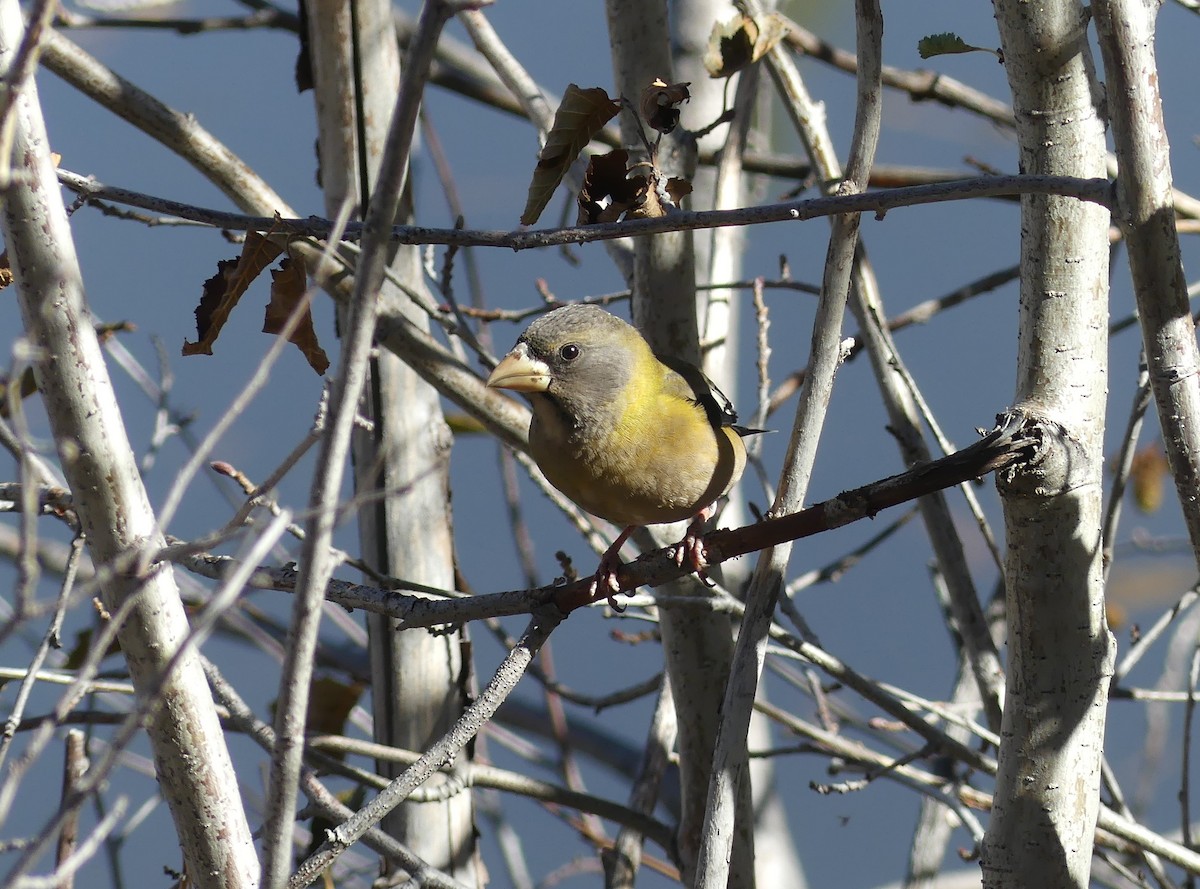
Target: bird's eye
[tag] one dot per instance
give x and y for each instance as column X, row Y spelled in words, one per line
column 569, row 352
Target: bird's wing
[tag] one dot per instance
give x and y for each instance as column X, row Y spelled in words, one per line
column 689, row 382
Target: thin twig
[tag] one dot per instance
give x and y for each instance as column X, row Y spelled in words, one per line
column 49, row 640
column 1124, row 466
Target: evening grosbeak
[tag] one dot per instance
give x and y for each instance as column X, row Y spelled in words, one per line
column 631, row 437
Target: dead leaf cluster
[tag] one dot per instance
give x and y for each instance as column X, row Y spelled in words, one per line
column 289, row 287
column 613, row 188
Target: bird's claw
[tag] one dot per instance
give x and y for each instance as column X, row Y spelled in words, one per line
column 691, row 550
column 605, row 583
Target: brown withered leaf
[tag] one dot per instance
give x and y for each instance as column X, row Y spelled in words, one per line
column 222, row 291
column 741, row 41
column 1148, row 474
column 288, row 286
column 582, row 114
column 608, row 191
column 651, row 205
column 213, row 308
column 6, row 274
column 660, row 104
column 329, row 704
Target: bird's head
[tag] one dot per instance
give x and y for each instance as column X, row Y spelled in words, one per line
column 580, row 356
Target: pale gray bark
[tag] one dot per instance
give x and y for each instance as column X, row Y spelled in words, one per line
column 1144, row 206
column 1060, row 650
column 191, row 760
column 316, row 559
column 718, row 258
column 416, row 677
column 894, row 383
column 697, row 646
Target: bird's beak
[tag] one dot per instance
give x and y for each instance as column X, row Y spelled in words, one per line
column 520, row 372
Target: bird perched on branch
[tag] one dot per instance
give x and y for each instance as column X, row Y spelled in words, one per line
column 631, row 437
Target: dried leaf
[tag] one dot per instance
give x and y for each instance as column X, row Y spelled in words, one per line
column 741, row 41
column 6, row 275
column 660, row 104
column 678, row 189
column 222, row 291
column 329, row 705
column 214, row 308
column 83, row 648
column 608, row 191
column 730, row 46
column 288, row 286
column 582, row 114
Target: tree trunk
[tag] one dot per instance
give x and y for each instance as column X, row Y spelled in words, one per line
column 719, row 258
column 1060, row 650
column 698, row 647
column 190, row 756
column 417, row 678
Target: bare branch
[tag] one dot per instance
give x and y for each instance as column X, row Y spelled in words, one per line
column 1097, row 191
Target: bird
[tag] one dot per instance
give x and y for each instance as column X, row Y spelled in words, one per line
column 631, row 437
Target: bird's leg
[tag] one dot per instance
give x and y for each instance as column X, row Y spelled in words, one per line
column 691, row 548
column 605, row 580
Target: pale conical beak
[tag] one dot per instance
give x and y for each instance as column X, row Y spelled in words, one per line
column 520, row 372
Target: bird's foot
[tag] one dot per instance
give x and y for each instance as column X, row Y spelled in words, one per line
column 605, row 582
column 691, row 551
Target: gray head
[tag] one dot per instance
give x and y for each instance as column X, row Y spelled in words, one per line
column 590, row 355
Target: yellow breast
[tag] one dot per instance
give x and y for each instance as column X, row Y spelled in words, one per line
column 663, row 461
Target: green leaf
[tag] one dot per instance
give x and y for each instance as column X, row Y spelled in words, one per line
column 946, row 44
